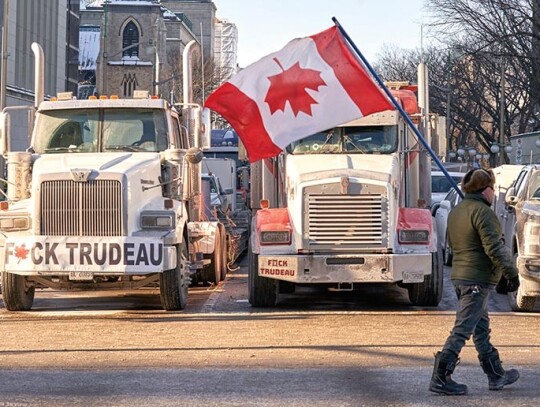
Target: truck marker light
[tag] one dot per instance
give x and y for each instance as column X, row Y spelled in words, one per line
column 412, row 236
column 92, row 97
column 4, row 205
column 103, row 97
column 114, row 97
column 168, row 203
column 271, row 237
column 265, row 203
column 64, row 96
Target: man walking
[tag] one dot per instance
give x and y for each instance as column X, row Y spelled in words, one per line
column 480, row 259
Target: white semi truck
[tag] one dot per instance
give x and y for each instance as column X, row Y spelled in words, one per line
column 106, row 196
column 344, row 207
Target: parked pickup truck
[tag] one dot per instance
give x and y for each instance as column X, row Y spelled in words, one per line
column 521, row 227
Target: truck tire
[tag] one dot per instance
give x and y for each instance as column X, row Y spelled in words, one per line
column 448, row 255
column 429, row 293
column 17, row 294
column 521, row 303
column 263, row 292
column 174, row 283
column 216, row 264
column 211, row 273
column 224, row 253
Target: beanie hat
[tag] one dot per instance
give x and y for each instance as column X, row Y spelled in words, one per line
column 477, row 180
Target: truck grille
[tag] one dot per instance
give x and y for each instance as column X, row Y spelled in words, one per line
column 92, row 208
column 338, row 222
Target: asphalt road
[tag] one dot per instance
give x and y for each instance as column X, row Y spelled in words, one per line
column 316, row 348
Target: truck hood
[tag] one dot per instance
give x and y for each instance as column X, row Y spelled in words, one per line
column 111, row 163
column 302, row 168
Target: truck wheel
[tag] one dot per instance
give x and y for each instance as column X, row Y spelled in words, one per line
column 17, row 293
column 262, row 291
column 216, row 264
column 429, row 293
column 173, row 284
column 224, row 253
column 521, row 303
column 448, row 255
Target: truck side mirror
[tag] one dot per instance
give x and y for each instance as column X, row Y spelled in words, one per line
column 510, row 198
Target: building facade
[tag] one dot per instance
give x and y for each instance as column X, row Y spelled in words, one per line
column 201, row 15
column 54, row 24
column 225, row 49
column 140, row 45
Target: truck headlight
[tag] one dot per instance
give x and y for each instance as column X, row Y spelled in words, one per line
column 531, row 246
column 271, row 237
column 14, row 223
column 412, row 236
column 160, row 220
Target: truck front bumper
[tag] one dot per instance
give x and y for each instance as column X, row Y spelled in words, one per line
column 370, row 268
column 73, row 255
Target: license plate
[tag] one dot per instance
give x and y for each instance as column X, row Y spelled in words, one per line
column 81, row 275
column 413, row 277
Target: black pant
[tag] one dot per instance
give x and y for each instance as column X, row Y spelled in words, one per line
column 471, row 319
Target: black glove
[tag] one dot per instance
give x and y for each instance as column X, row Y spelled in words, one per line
column 513, row 284
column 502, row 286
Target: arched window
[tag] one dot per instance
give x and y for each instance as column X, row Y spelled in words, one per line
column 130, row 38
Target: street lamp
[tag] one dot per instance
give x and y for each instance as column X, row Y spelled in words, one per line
column 496, row 149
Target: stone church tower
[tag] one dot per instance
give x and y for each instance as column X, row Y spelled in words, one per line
column 132, row 47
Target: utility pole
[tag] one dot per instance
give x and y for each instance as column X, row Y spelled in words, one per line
column 502, row 112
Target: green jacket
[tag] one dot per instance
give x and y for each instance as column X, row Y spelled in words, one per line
column 474, row 235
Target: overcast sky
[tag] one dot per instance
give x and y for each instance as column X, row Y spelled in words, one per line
column 265, row 26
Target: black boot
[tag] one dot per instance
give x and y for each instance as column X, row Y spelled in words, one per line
column 441, row 380
column 497, row 376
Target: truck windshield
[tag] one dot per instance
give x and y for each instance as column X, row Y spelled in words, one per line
column 356, row 140
column 92, row 130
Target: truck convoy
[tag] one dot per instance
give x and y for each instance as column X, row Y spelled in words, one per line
column 343, row 207
column 108, row 195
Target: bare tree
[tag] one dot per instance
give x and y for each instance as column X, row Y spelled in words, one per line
column 204, row 78
column 497, row 47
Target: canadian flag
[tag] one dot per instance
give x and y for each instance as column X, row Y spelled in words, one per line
column 312, row 84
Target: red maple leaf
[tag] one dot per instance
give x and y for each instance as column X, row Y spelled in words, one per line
column 290, row 86
column 21, row 251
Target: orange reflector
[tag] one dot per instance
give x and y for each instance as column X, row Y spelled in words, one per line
column 103, row 97
column 93, row 97
column 54, row 99
column 265, row 203
column 154, row 97
column 168, row 203
column 4, row 205
column 114, row 97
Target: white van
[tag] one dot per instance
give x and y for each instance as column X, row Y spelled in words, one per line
column 440, row 185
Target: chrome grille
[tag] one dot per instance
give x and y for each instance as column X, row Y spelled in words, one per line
column 346, row 221
column 70, row 208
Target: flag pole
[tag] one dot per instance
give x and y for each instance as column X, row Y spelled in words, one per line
column 397, row 106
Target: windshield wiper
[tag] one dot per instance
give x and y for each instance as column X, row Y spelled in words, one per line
column 60, row 149
column 123, row 148
column 348, row 140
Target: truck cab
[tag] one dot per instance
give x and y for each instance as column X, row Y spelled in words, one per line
column 97, row 201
